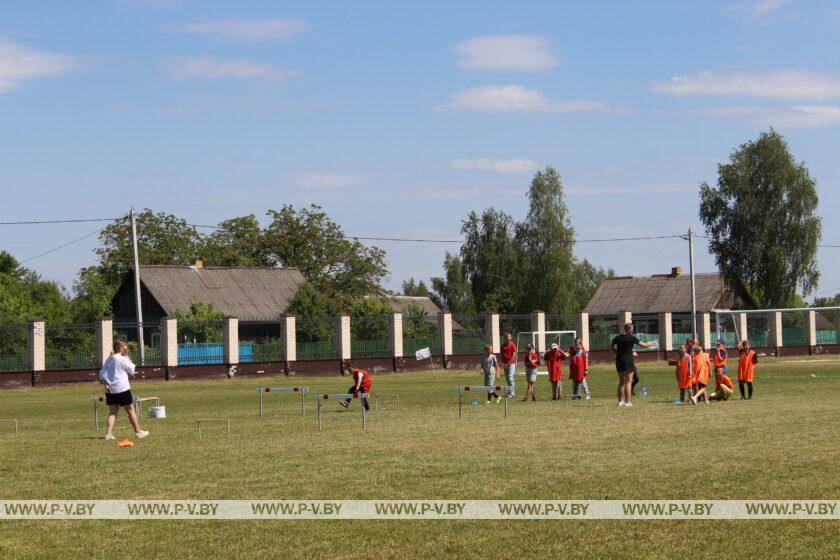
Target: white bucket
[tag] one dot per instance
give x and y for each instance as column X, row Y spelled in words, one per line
column 157, row 411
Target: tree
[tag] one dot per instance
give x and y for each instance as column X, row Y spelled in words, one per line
column 307, row 239
column 25, row 296
column 587, row 278
column 546, row 241
column 761, row 223
column 453, row 291
column 410, row 288
column 93, row 295
column 833, row 301
column 490, row 260
column 201, row 324
column 236, row 242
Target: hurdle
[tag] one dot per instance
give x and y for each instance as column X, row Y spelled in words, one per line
column 302, row 390
column 11, row 421
column 96, row 400
column 482, row 389
column 206, row 420
column 138, row 404
column 340, row 397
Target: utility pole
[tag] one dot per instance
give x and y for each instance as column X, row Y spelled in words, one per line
column 693, row 288
column 137, row 298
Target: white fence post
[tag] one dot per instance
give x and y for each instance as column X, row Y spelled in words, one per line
column 538, row 325
column 395, row 334
column 582, row 328
column 705, row 331
column 288, row 334
column 231, row 340
column 104, row 340
column 776, row 338
column 169, row 341
column 445, row 331
column 37, row 345
column 666, row 332
column 342, row 337
column 491, row 331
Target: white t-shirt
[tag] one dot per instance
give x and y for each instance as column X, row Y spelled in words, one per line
column 115, row 373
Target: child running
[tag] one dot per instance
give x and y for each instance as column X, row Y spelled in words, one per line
column 701, row 370
column 532, row 361
column 488, row 367
column 553, row 362
column 362, row 384
column 746, row 368
column 578, row 368
column 723, row 386
column 684, row 372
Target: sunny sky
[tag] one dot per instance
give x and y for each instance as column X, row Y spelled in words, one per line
column 400, row 118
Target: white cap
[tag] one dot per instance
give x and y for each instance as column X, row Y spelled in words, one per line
column 554, row 345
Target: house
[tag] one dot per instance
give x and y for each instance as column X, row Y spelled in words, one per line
column 250, row 294
column 647, row 297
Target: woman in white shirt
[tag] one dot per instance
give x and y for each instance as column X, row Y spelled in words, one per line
column 114, row 375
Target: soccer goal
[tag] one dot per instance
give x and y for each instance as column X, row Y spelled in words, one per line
column 544, row 339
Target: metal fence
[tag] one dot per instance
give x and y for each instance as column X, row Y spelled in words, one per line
column 513, row 324
column 827, row 325
column 200, row 342
column 646, row 329
column 14, row 347
column 151, row 342
column 560, row 323
column 420, row 332
column 369, row 337
column 260, row 341
column 70, row 346
column 315, row 338
column 468, row 334
column 602, row 329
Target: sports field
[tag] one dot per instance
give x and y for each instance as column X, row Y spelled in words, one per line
column 784, row 444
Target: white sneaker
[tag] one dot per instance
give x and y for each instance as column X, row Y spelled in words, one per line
column 141, row 434
column 693, row 400
column 621, row 404
column 110, row 437
column 589, row 397
column 628, row 405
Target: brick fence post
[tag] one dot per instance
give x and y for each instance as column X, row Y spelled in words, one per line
column 538, row 326
column 169, row 344
column 491, row 332
column 37, row 348
column 104, row 340
column 582, row 328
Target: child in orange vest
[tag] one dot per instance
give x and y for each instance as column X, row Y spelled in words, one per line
column 578, row 368
column 701, row 370
column 720, row 357
column 684, row 373
column 746, row 368
column 723, row 386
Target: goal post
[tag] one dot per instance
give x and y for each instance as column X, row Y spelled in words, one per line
column 563, row 339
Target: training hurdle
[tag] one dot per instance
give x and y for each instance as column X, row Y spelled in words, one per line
column 138, row 404
column 302, row 390
column 483, row 389
column 11, row 421
column 96, row 400
column 207, row 420
column 340, row 397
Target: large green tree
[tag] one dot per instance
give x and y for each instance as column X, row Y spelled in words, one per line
column 490, row 260
column 236, row 242
column 416, row 289
column 25, row 296
column 761, row 223
column 307, row 239
column 546, row 241
column 452, row 291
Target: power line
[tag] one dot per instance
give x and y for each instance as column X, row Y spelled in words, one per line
column 62, row 246
column 73, row 221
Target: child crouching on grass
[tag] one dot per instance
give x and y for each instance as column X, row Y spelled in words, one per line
column 532, row 361
column 578, row 369
column 723, row 386
column 488, row 368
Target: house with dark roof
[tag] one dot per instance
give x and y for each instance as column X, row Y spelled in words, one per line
column 250, row 294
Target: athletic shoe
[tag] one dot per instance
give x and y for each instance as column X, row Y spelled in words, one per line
column 693, row 400
column 498, row 400
column 589, row 397
column 141, row 434
column 110, row 437
column 628, row 405
column 344, row 404
column 533, row 399
column 621, row 404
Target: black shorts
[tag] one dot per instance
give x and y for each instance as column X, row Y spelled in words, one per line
column 121, row 399
column 624, row 363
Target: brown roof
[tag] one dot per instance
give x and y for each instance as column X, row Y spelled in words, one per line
column 400, row 303
column 245, row 293
column 658, row 294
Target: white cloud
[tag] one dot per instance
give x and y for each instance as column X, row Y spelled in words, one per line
column 518, row 53
column 511, row 166
column 497, row 99
column 764, row 8
column 798, row 116
column 247, row 30
column 778, row 84
column 242, row 69
column 327, row 180
column 20, row 64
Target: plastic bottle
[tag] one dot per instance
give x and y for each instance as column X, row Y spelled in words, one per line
column 643, row 392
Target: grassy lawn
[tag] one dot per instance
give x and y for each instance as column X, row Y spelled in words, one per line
column 784, row 444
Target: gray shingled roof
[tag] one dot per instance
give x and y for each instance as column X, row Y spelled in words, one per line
column 400, row 303
column 657, row 294
column 245, row 293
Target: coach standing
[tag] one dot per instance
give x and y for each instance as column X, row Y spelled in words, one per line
column 114, row 375
column 622, row 345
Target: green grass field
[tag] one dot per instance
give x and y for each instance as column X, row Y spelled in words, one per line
column 784, row 444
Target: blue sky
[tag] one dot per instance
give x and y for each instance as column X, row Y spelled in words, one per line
column 401, row 118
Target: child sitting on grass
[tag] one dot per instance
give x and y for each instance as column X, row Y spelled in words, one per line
column 723, row 386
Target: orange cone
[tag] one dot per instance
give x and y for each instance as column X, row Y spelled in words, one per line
column 125, row 442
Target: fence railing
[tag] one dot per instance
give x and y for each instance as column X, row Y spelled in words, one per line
column 468, row 334
column 70, row 346
column 369, row 337
column 200, row 342
column 14, row 347
column 315, row 338
column 260, row 341
column 420, row 332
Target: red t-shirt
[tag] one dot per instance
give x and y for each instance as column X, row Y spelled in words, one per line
column 553, row 362
column 508, row 353
column 532, row 360
column 365, row 386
